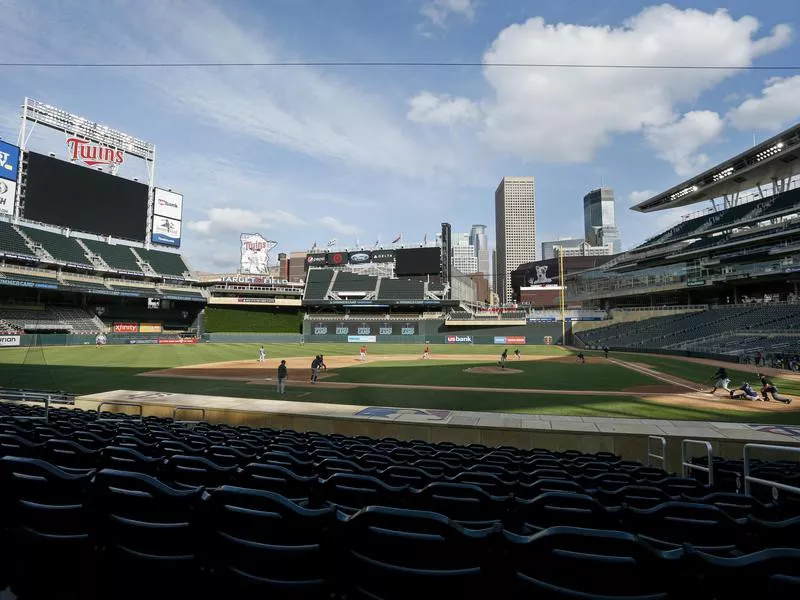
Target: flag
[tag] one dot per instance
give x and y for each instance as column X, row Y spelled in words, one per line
column 425, row 240
column 314, row 247
column 331, row 243
column 397, row 239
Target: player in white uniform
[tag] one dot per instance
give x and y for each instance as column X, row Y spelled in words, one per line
column 262, row 355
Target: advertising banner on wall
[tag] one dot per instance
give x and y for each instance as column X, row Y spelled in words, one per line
column 126, row 327
column 359, row 258
column 167, row 204
column 254, row 253
column 382, row 256
column 9, row 161
column 166, row 231
column 8, row 194
column 336, row 259
column 150, row 328
column 362, row 339
column 511, row 340
column 9, row 340
column 315, row 260
column 459, row 339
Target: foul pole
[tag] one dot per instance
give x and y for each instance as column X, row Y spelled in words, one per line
column 563, row 294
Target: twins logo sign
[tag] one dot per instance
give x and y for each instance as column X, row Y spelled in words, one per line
column 92, row 154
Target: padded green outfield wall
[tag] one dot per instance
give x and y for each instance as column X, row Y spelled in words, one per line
column 226, row 319
column 432, row 331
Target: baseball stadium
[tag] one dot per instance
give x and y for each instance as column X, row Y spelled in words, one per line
column 613, row 394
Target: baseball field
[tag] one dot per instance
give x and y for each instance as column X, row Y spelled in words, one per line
column 545, row 380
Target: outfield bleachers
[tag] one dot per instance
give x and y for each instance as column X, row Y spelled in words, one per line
column 126, row 508
column 317, row 283
column 354, row 282
column 164, row 263
column 12, row 242
column 401, row 289
column 60, row 247
column 116, row 256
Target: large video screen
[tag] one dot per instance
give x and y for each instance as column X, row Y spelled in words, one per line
column 60, row 193
column 417, row 261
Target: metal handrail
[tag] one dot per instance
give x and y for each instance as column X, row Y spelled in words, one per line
column 653, row 455
column 113, row 403
column 688, row 466
column 177, row 408
column 774, row 484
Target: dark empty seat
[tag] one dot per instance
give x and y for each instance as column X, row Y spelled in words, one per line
column 148, row 536
column 277, row 479
column 261, row 545
column 351, row 492
column 466, row 504
column 390, row 554
column 45, row 511
column 567, row 562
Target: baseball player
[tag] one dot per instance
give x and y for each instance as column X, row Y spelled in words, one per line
column 282, row 376
column 517, row 354
column 363, row 352
column 745, row 392
column 769, row 389
column 503, row 358
column 426, row 353
column 262, row 355
column 580, row 358
column 315, row 368
column 721, row 380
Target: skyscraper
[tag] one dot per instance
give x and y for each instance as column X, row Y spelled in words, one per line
column 515, row 224
column 465, row 259
column 477, row 237
column 598, row 219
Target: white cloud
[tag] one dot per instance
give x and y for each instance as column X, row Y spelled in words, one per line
column 640, row 196
column 236, row 220
column 679, row 142
column 777, row 106
column 441, row 109
column 438, row 11
column 565, row 115
column 338, row 226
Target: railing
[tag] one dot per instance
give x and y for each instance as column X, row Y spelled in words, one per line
column 652, row 455
column 776, row 485
column 689, row 466
column 112, row 403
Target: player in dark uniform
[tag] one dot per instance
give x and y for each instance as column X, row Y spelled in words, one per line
column 769, row 389
column 581, row 358
column 605, row 351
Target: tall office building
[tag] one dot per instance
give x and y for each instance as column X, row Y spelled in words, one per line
column 548, row 248
column 598, row 219
column 477, row 237
column 465, row 259
column 515, row 224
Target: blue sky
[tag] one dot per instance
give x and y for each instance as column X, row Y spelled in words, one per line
column 306, row 154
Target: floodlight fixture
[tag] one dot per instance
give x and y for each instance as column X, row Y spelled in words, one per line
column 61, row 120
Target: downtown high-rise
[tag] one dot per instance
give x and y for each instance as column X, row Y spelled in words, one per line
column 515, row 226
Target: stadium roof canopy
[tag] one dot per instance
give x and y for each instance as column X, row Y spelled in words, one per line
column 773, row 160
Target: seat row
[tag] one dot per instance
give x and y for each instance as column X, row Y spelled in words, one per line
column 118, row 534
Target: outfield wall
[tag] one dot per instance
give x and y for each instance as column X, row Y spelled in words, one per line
column 63, row 339
column 423, row 331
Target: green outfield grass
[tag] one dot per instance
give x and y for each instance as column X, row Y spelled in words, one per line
column 548, row 375
column 86, row 369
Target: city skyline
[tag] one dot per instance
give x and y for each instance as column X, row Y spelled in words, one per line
column 298, row 152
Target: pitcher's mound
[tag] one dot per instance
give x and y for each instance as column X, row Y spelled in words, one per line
column 493, row 370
